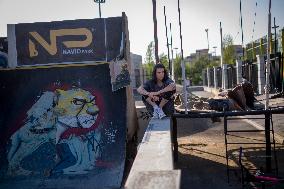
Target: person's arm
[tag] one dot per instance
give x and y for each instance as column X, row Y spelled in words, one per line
column 170, row 87
column 142, row 91
column 145, row 90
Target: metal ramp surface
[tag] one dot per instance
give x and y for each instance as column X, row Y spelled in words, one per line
column 61, row 127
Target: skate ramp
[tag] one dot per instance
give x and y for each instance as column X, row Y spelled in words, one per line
column 61, row 127
column 64, row 101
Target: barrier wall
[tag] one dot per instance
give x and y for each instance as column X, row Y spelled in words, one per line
column 65, row 118
column 61, row 127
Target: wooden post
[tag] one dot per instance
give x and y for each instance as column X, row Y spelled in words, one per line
column 155, row 32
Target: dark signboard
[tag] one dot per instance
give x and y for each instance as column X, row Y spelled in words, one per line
column 3, row 52
column 61, row 127
column 68, row 41
column 4, row 44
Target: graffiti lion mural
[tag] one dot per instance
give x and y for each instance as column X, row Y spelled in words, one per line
column 60, row 117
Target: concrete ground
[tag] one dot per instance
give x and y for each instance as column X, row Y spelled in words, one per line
column 278, row 119
column 202, row 157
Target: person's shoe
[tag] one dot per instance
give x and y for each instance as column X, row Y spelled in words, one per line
column 161, row 113
column 155, row 113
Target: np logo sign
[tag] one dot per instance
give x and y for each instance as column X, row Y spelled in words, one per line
column 69, row 41
column 51, row 46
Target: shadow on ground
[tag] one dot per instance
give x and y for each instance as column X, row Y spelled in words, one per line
column 200, row 173
column 202, row 154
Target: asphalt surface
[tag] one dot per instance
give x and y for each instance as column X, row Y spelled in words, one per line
column 202, row 152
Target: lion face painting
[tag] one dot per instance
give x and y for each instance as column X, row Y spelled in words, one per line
column 48, row 121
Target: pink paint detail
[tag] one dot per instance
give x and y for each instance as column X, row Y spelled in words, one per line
column 19, row 122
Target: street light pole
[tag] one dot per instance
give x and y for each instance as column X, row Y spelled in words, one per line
column 221, row 34
column 173, row 69
column 176, row 51
column 267, row 86
column 155, row 32
column 214, row 50
column 182, row 64
column 100, row 1
column 206, row 30
column 275, row 48
column 169, row 59
column 275, row 38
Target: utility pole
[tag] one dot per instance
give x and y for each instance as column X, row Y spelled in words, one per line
column 172, row 62
column 275, row 38
column 176, row 51
column 222, row 55
column 214, row 50
column 267, row 86
column 275, row 48
column 155, row 32
column 206, row 30
column 169, row 59
column 182, row 64
column 100, row 1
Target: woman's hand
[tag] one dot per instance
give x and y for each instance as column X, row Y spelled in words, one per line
column 156, row 93
column 153, row 96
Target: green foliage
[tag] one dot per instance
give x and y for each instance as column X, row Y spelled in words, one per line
column 164, row 60
column 177, row 69
column 149, row 58
column 229, row 56
column 194, row 69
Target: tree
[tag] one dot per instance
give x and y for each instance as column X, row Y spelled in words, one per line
column 177, row 68
column 149, row 58
column 164, row 60
column 194, row 69
column 229, row 55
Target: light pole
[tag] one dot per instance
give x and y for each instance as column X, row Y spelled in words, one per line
column 214, row 50
column 221, row 62
column 100, row 1
column 267, row 86
column 173, row 69
column 175, row 48
column 275, row 38
column 206, row 30
column 182, row 63
column 169, row 59
column 275, row 48
column 155, row 32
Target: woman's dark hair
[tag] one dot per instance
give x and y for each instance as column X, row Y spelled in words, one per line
column 154, row 77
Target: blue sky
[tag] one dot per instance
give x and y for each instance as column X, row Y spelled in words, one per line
column 196, row 15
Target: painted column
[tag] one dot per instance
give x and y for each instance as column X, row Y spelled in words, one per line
column 204, row 77
column 12, row 51
column 225, row 77
column 282, row 40
column 215, row 77
column 260, row 73
column 208, row 77
column 261, row 46
column 253, row 51
column 239, row 71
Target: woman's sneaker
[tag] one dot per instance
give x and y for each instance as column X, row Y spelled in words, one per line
column 161, row 113
column 156, row 113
